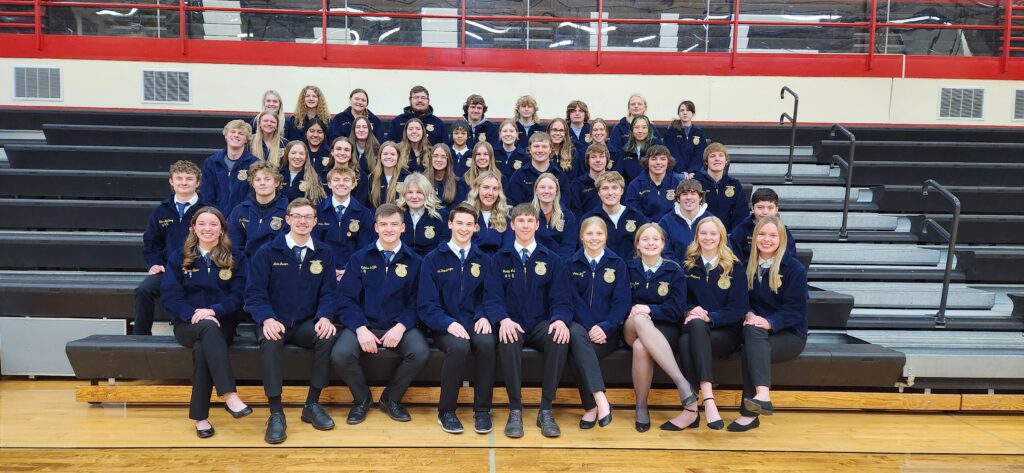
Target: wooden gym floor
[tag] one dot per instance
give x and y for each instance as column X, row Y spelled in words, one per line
column 44, row 428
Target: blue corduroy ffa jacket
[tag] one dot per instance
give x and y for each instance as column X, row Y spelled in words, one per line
column 376, row 295
column 281, row 287
column 530, row 294
column 726, row 302
column 600, row 297
column 183, row 290
column 786, row 309
column 452, row 291
column 222, row 188
column 664, row 292
column 166, row 231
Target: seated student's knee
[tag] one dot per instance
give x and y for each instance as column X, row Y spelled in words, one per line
column 267, row 344
column 208, row 327
column 639, row 349
column 345, row 352
column 697, row 325
column 577, row 331
column 751, row 332
column 457, row 347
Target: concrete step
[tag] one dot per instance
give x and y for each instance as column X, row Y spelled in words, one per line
column 856, row 221
column 953, row 354
column 875, row 254
column 793, row 193
column 753, row 150
column 768, row 169
column 910, row 295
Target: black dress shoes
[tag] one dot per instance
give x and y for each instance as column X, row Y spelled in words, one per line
column 315, row 414
column 276, row 428
column 736, row 427
column 482, row 422
column 764, row 408
column 205, row 433
column 642, row 426
column 547, row 424
column 394, row 409
column 514, row 426
column 669, row 426
column 449, row 422
column 239, row 414
column 357, row 414
column 604, row 421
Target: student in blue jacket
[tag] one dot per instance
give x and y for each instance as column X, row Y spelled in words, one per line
column 166, row 231
column 203, row 293
column 271, row 102
column 600, row 290
column 225, row 173
column 653, row 325
column 451, row 303
column 341, row 124
column 509, row 155
column 366, row 146
column 680, row 223
column 526, row 118
column 717, row 302
column 577, row 115
column 520, row 185
column 290, row 294
column 653, row 192
column 310, row 104
column 482, row 160
column 343, row 224
column 450, row 190
column 636, row 107
column 376, row 304
column 488, row 199
column 383, row 179
column 460, row 147
column 584, row 196
column 316, row 144
column 261, row 217
column 775, row 329
column 268, row 139
column 528, row 299
column 414, row 147
column 342, row 156
column 563, row 153
column 299, row 176
column 635, row 148
column 419, row 107
column 622, row 220
column 426, row 225
column 764, row 202
column 557, row 229
column 480, row 128
column 723, row 193
column 686, row 140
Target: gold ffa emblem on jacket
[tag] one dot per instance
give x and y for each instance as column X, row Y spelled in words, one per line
column 670, row 194
column 587, row 138
column 428, row 232
column 243, row 174
column 303, row 187
column 474, row 269
column 630, row 226
column 609, row 275
column 275, row 223
column 401, row 270
column 353, row 225
column 696, row 140
column 326, row 161
column 517, row 164
column 730, row 191
column 224, row 274
column 663, row 289
column 430, row 128
column 724, row 283
column 541, row 268
column 316, row 266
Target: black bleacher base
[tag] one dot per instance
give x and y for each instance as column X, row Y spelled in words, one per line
column 981, row 229
column 109, row 158
column 929, row 150
column 75, row 214
column 34, row 119
column 834, row 360
column 70, row 252
column 990, row 200
column 873, row 173
column 149, row 136
column 64, row 184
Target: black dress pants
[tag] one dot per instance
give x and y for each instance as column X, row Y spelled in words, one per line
column 456, row 352
column 760, row 350
column 304, row 335
column 586, row 359
column 347, row 354
column 146, row 294
column 700, row 345
column 511, row 355
column 210, row 364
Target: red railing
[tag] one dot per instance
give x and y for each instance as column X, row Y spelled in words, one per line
column 872, row 26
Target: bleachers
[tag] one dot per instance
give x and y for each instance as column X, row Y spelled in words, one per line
column 73, row 208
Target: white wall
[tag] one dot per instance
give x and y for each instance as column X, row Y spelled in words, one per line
column 117, row 84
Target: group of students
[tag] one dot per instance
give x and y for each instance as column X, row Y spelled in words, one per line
column 672, row 265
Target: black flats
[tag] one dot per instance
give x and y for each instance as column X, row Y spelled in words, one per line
column 764, row 408
column 736, row 427
column 239, row 414
column 716, row 425
column 603, row 422
column 205, row 433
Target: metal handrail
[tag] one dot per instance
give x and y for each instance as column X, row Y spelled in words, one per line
column 940, row 317
column 792, row 135
column 843, row 230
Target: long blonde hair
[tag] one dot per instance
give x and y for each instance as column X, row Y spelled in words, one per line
column 450, row 182
column 474, row 172
column 377, row 173
column 310, row 179
column 321, row 107
column 280, row 104
column 500, row 211
column 726, row 258
column 430, row 200
column 565, row 151
column 256, row 143
column 557, row 220
column 406, row 148
column 372, row 145
column 220, row 255
column 774, row 278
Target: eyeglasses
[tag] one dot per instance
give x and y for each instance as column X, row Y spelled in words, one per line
column 419, row 97
column 302, row 217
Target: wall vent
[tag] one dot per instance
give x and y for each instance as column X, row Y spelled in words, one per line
column 166, row 87
column 962, row 103
column 37, row 83
column 1018, row 105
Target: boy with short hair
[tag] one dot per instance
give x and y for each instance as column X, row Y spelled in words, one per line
column 290, row 294
column 376, row 304
column 225, row 173
column 528, row 299
column 583, row 190
column 451, row 304
column 481, row 129
column 258, row 219
column 419, row 107
column 722, row 192
column 166, row 231
column 520, row 185
column 622, row 220
column 764, row 202
column 343, row 223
